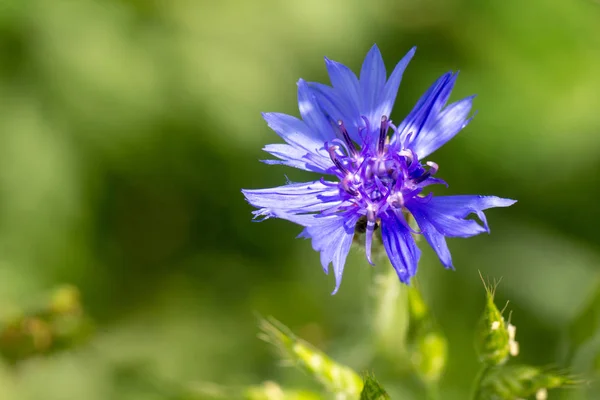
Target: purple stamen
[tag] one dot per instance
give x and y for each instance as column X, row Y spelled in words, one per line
column 346, row 137
column 348, row 187
column 367, row 131
column 334, row 157
column 330, row 184
column 433, row 167
column 408, row 156
column 382, row 134
column 396, row 200
column 377, row 179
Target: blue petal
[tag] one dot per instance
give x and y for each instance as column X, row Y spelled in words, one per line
column 400, row 247
column 312, row 114
column 337, row 108
column 294, row 198
column 448, row 213
column 447, row 124
column 349, row 100
column 426, row 109
column 297, row 158
column 331, row 236
column 390, row 90
column 305, row 149
column 345, row 83
column 436, row 240
column 294, row 131
column 372, row 80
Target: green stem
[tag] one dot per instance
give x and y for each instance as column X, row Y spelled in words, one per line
column 478, row 380
column 433, row 391
column 390, row 311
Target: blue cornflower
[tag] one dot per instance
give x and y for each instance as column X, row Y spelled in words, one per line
column 376, row 168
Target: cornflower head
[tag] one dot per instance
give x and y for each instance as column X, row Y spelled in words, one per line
column 376, row 173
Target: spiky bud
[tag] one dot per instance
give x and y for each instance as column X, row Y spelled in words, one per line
column 494, row 339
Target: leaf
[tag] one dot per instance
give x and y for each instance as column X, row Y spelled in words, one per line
column 336, row 378
column 520, row 381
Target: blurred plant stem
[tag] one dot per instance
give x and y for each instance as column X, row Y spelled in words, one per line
column 406, row 332
column 390, row 313
column 433, row 391
column 479, row 378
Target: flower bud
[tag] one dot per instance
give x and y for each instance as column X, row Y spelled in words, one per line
column 494, row 340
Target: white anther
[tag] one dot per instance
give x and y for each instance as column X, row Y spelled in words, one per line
column 396, row 200
column 513, row 345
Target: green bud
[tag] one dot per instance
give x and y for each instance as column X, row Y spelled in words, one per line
column 373, row 390
column 335, row 377
column 495, row 340
column 521, row 381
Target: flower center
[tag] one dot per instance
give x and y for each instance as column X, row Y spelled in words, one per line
column 378, row 176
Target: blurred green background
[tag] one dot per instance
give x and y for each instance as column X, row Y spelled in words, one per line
column 128, row 128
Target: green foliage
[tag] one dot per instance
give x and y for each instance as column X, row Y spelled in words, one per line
column 496, row 381
column 520, row 381
column 58, row 323
column 586, row 325
column 272, row 391
column 334, row 377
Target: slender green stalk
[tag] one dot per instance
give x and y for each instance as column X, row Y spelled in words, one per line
column 390, row 312
column 479, row 380
column 433, row 391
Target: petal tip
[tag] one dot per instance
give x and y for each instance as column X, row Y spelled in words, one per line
column 501, row 202
column 374, row 50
